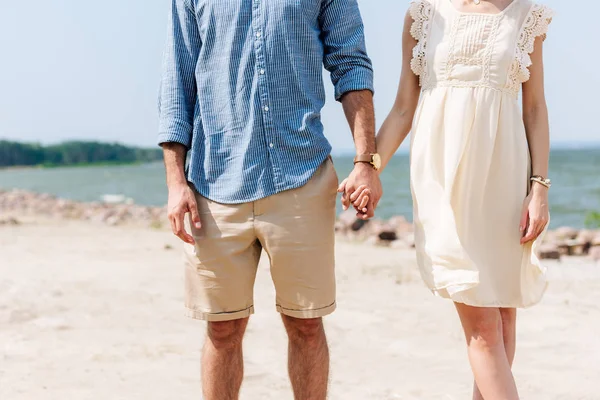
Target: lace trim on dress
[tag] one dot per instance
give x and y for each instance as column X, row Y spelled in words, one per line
column 420, row 11
column 536, row 25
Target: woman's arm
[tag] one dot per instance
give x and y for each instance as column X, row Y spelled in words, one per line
column 399, row 121
column 535, row 116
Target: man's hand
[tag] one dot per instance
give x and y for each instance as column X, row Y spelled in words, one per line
column 363, row 185
column 181, row 197
column 181, row 202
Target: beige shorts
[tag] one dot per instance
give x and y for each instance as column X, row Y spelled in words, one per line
column 296, row 230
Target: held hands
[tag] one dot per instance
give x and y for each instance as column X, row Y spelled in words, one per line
column 535, row 214
column 363, row 190
column 181, row 202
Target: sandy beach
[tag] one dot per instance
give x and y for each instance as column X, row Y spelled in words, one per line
column 89, row 311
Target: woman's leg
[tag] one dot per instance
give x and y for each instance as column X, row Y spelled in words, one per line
column 509, row 335
column 487, row 354
column 509, row 332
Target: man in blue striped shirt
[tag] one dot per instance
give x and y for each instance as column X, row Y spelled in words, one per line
column 241, row 98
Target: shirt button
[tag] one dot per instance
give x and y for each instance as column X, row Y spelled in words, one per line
column 271, row 145
column 266, row 108
column 258, row 34
column 262, row 71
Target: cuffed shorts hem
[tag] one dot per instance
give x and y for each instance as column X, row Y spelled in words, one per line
column 307, row 314
column 219, row 317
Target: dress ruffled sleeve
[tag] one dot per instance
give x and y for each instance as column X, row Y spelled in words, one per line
column 535, row 25
column 420, row 11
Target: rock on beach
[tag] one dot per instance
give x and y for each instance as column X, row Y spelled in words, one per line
column 396, row 232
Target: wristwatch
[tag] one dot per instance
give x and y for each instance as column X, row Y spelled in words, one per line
column 374, row 159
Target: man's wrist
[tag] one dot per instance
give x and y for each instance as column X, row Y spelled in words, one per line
column 176, row 181
column 363, row 166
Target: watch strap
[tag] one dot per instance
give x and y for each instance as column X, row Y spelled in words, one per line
column 363, row 158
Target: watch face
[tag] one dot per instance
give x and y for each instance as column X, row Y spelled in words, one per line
column 376, row 161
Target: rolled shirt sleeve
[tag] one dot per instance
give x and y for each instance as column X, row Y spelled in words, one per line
column 178, row 92
column 345, row 55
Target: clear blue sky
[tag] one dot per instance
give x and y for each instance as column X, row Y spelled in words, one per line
column 73, row 69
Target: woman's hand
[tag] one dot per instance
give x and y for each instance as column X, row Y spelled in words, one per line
column 359, row 199
column 363, row 189
column 535, row 214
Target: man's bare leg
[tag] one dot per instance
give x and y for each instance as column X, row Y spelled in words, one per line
column 308, row 358
column 222, row 360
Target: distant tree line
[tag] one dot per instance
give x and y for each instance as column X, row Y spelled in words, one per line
column 73, row 153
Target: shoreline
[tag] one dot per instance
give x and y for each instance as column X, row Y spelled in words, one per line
column 395, row 232
column 77, row 165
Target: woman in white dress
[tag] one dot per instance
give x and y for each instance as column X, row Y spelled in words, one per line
column 478, row 166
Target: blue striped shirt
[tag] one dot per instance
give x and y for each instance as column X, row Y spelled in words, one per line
column 242, row 88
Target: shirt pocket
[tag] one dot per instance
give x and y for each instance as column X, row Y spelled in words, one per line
column 309, row 9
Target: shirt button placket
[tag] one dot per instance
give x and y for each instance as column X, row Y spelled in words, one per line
column 263, row 87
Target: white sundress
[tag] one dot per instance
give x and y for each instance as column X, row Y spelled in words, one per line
column 470, row 160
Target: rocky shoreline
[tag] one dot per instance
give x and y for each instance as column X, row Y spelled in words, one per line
column 14, row 203
column 396, row 232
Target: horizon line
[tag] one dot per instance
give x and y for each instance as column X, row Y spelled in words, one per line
column 554, row 145
column 557, row 145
